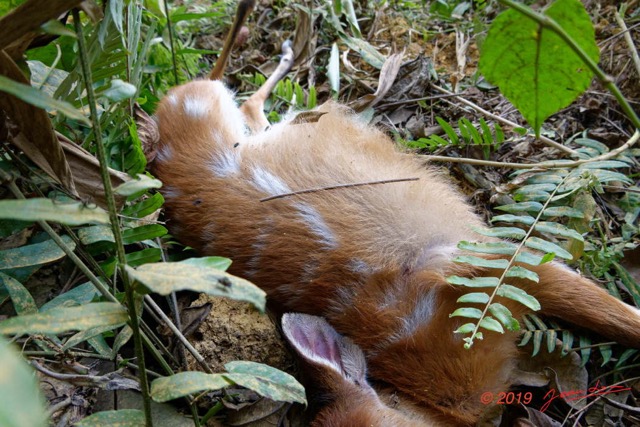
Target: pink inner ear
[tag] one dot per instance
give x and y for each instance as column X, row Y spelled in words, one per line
column 314, row 339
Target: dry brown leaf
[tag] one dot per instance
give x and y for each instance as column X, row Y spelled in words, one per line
column 39, row 142
column 388, row 74
column 29, row 16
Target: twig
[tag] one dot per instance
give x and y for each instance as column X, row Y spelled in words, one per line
column 334, row 187
column 627, row 37
column 497, row 118
column 542, row 165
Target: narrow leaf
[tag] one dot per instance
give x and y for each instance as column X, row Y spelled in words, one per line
column 266, row 381
column 474, row 282
column 41, row 209
column 501, row 248
column 502, row 232
column 491, row 324
column 185, row 383
column 547, row 247
column 522, row 273
column 36, row 254
column 22, row 300
column 481, row 262
column 141, row 183
column 473, row 313
column 474, row 297
column 503, row 314
column 119, row 418
column 519, row 295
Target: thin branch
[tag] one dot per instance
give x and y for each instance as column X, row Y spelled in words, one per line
column 543, row 165
column 502, row 120
column 338, row 186
column 627, row 38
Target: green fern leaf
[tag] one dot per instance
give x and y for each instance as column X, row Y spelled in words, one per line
column 474, row 298
column 473, row 313
column 481, row 262
column 491, row 324
column 502, row 232
column 503, row 314
column 522, row 273
column 520, row 296
column 521, row 219
column 547, row 247
column 474, row 282
column 501, row 248
column 521, row 207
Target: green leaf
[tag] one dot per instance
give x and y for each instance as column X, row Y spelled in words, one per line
column 143, row 232
column 36, row 254
column 474, row 297
column 474, row 282
column 473, row 313
column 63, row 319
column 40, row 99
column 558, row 230
column 519, row 295
column 145, row 207
column 119, row 91
column 503, row 314
column 22, row 300
column 502, row 248
column 164, row 278
column 41, row 209
column 528, row 258
column 502, row 232
column 79, row 295
column 221, row 263
column 467, row 328
column 144, row 256
column 522, row 219
column 185, row 383
column 521, row 207
column 85, row 335
column 369, row 53
column 448, row 129
column 141, row 183
column 491, row 324
column 547, row 247
column 21, row 404
column 523, row 273
column 533, row 66
column 266, row 381
column 563, row 211
column 96, row 233
column 482, row 262
column 119, row 418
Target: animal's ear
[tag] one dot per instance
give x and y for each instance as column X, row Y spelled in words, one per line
column 147, row 132
column 322, row 347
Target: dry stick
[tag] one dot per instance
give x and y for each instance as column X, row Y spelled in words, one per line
column 338, row 186
column 544, row 165
column 481, row 110
column 627, row 38
column 167, row 321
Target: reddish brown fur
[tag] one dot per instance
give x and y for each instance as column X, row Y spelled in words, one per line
column 369, row 261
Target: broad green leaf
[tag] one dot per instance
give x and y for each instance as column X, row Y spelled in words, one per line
column 35, row 254
column 474, row 297
column 22, row 300
column 502, row 248
column 481, row 262
column 141, row 183
column 567, row 211
column 164, row 278
column 522, row 219
column 144, row 256
column 519, row 295
column 558, row 230
column 119, row 91
column 522, row 273
column 547, row 247
column 119, row 418
column 528, row 258
column 473, row 313
column 79, row 295
column 503, row 314
column 122, row 338
column 502, row 232
column 474, row 282
column 143, row 232
column 533, row 66
column 266, row 381
column 21, row 404
column 85, row 335
column 221, row 263
column 491, row 324
column 40, row 99
column 41, row 209
column 96, row 233
column 369, row 53
column 57, row 28
column 521, row 207
column 63, row 319
column 185, row 383
column 145, row 207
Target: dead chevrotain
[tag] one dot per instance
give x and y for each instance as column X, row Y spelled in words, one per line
column 371, row 260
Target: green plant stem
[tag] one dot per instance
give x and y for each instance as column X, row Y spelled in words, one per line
column 512, row 261
column 113, row 216
column 173, row 50
column 550, row 24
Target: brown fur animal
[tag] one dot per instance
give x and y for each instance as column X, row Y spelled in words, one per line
column 371, row 260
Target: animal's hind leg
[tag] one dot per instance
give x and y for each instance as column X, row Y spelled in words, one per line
column 568, row 296
column 253, row 108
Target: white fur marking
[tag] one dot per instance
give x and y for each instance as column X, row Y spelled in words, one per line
column 421, row 315
column 268, row 183
column 196, row 108
column 170, row 192
column 318, row 226
column 164, row 153
column 226, row 163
